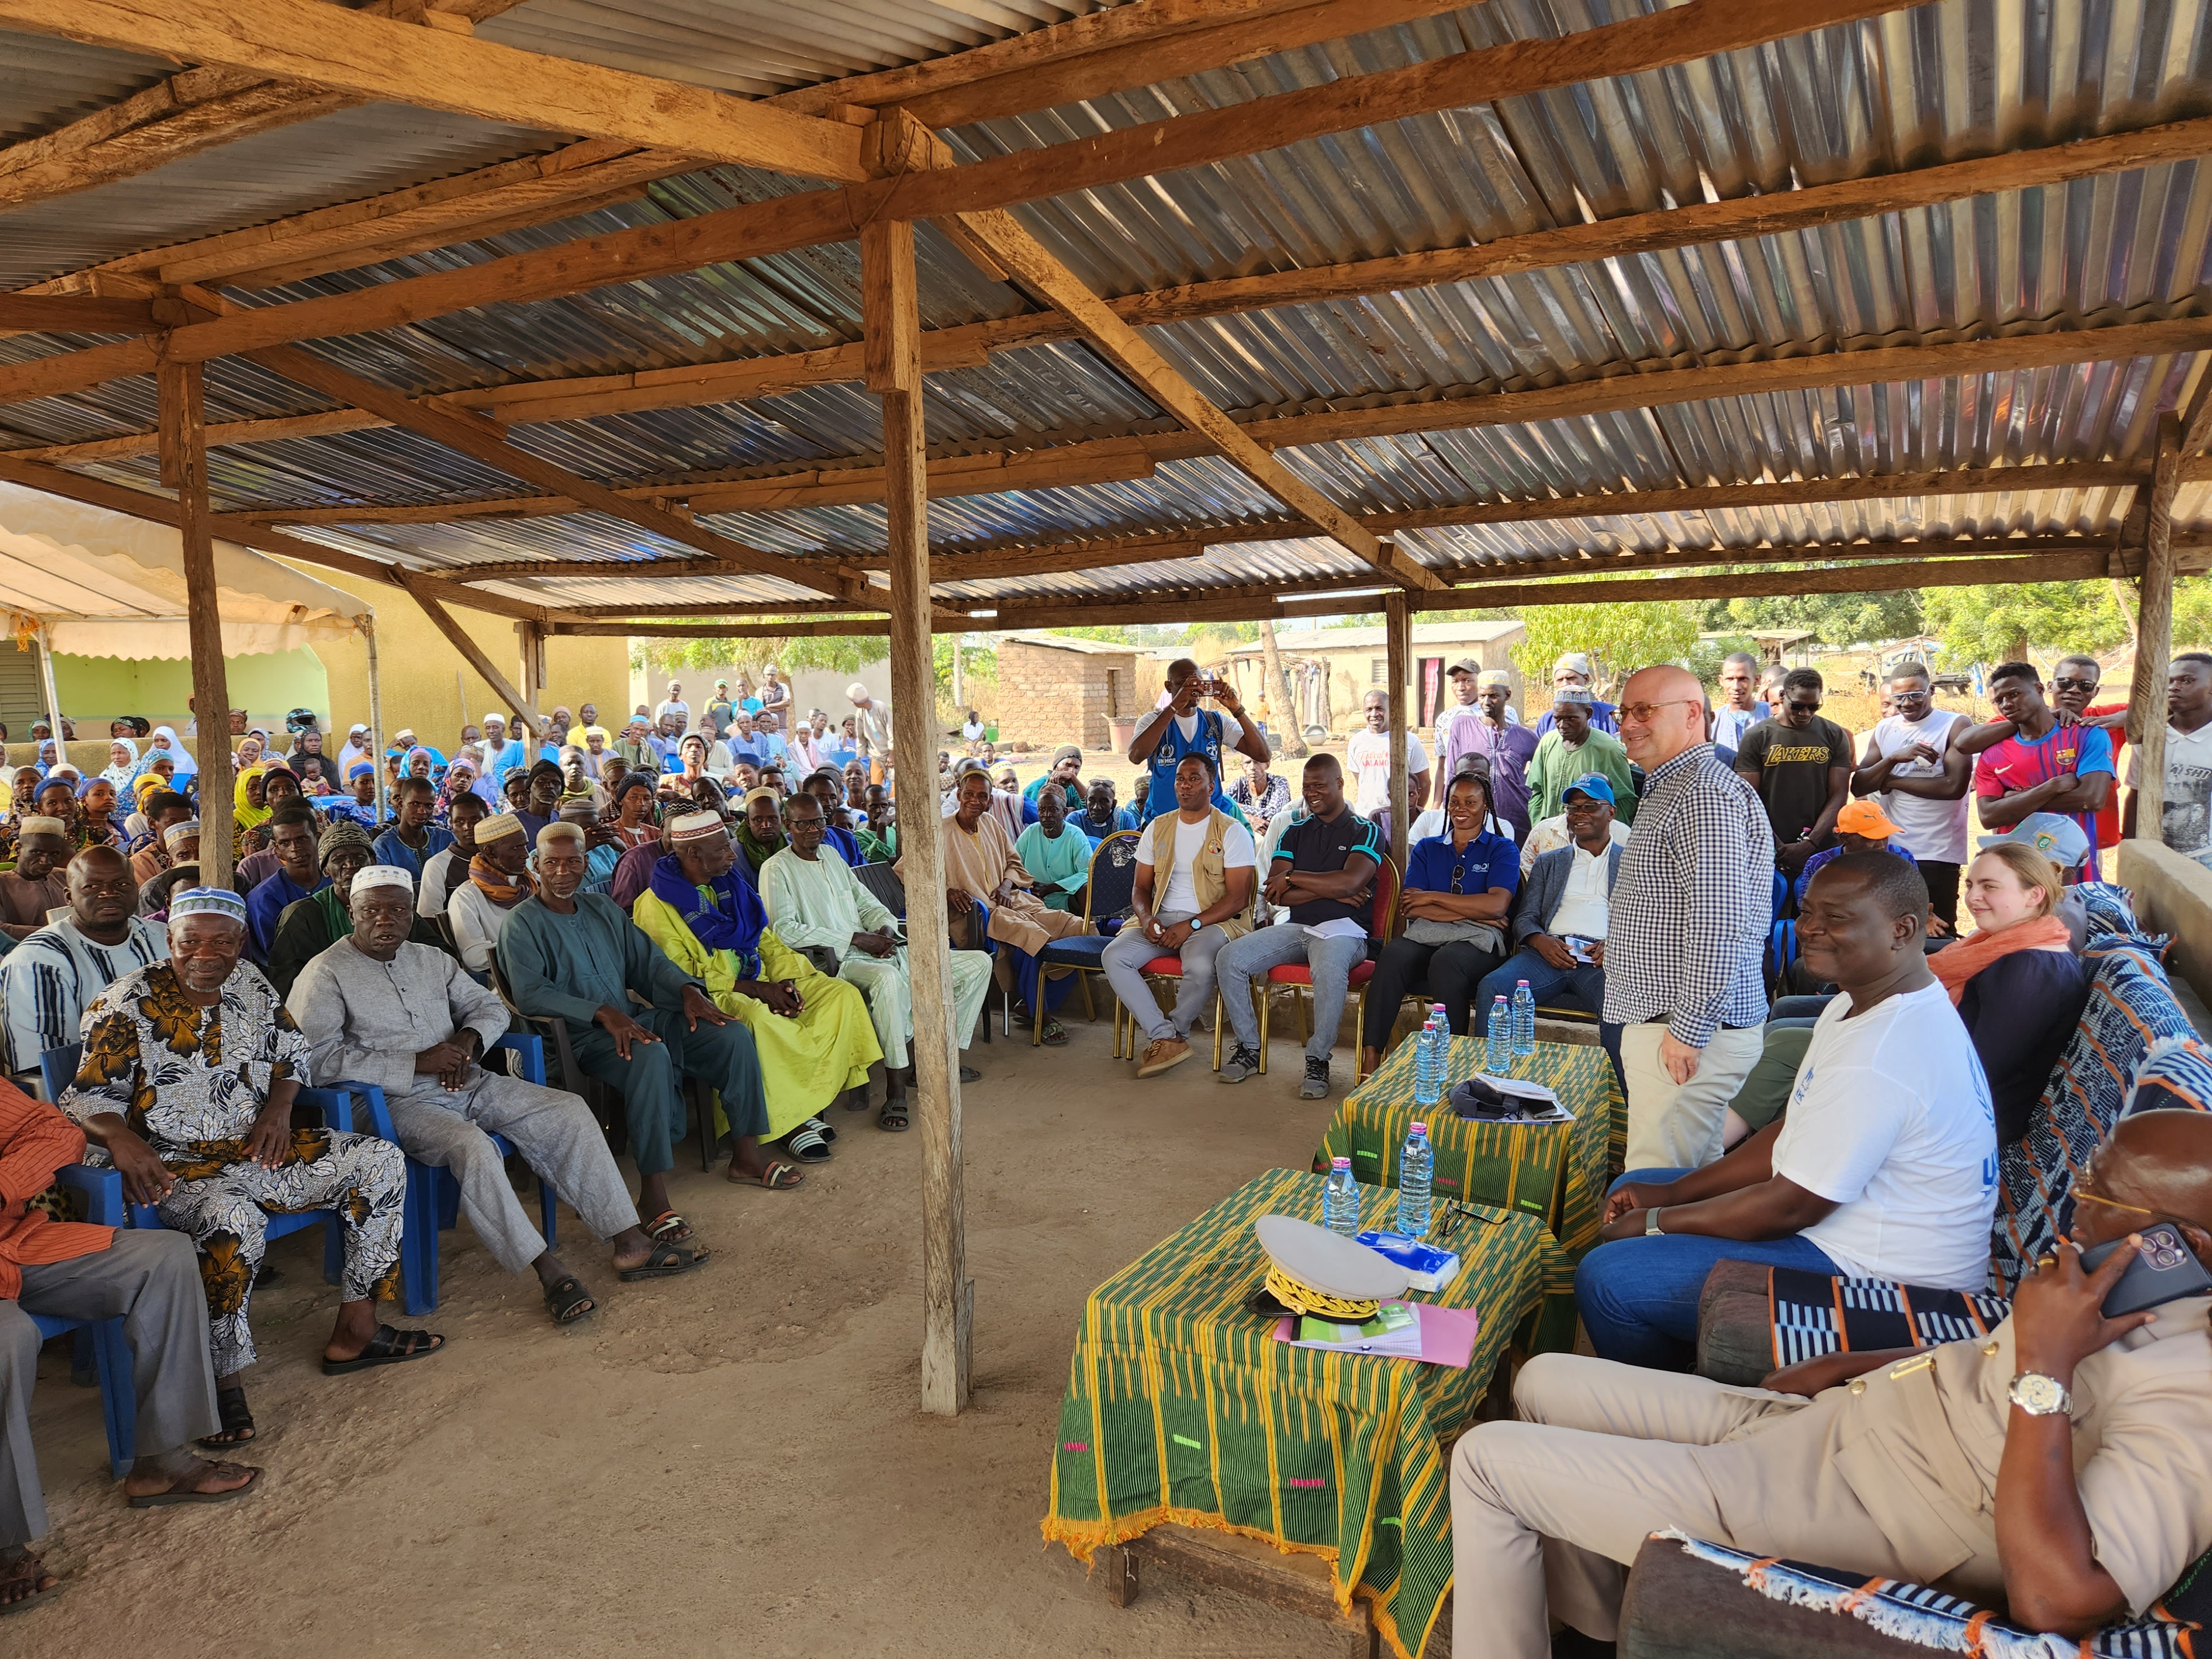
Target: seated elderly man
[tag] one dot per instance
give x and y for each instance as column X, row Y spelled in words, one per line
column 811, row 1031
column 981, row 868
column 36, row 883
column 2051, row 1465
column 568, row 955
column 68, row 1270
column 815, row 902
column 188, row 1076
column 1883, row 1165
column 478, row 904
column 315, row 923
column 47, row 979
column 1193, row 895
column 377, row 1008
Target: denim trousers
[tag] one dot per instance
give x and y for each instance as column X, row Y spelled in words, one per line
column 1638, row 1297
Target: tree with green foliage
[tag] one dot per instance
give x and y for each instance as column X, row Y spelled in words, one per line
column 2038, row 622
column 1619, row 638
column 1835, row 619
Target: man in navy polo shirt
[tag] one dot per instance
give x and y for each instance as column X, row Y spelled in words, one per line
column 1323, row 869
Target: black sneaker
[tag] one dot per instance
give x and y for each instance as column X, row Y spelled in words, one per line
column 1242, row 1063
column 1315, row 1087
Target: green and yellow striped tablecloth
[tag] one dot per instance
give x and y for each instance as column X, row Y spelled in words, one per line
column 1182, row 1408
column 1556, row 1171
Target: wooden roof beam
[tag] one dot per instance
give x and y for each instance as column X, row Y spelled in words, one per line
column 366, row 56
column 1679, row 35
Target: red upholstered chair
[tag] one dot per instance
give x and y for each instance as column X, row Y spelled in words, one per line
column 1168, row 966
column 1382, row 925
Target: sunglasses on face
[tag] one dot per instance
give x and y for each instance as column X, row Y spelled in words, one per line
column 2064, row 683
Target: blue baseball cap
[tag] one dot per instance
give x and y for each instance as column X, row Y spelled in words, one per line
column 1595, row 785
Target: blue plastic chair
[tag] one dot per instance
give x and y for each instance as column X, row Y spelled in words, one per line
column 1781, row 935
column 434, row 1193
column 1109, row 893
column 102, row 1192
column 58, row 1067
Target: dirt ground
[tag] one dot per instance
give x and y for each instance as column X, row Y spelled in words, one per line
column 728, row 1464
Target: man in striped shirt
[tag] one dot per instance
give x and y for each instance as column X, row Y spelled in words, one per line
column 1689, row 918
column 48, row 979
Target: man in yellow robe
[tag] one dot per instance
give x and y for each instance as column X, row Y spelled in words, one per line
column 812, row 1032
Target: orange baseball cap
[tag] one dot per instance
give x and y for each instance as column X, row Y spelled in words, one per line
column 1858, row 817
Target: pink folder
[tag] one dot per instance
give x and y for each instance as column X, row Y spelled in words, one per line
column 1447, row 1334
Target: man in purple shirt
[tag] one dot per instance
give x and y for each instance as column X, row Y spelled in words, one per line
column 1507, row 746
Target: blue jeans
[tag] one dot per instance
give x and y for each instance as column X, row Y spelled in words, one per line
column 1545, row 983
column 1638, row 1297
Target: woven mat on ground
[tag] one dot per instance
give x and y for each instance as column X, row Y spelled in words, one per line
column 1182, row 1408
column 1516, row 1166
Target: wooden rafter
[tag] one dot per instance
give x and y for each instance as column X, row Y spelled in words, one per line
column 1698, row 29
column 440, row 68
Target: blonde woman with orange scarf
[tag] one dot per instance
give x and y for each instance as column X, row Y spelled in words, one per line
column 2015, row 979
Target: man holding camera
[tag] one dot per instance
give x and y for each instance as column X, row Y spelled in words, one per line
column 1181, row 728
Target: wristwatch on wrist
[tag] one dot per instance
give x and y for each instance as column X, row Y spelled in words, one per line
column 2039, row 1395
column 1651, row 1221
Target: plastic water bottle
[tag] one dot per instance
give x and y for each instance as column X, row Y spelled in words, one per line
column 1499, row 1060
column 1442, row 1022
column 1340, row 1199
column 1428, row 1065
column 1415, row 1165
column 1524, row 1021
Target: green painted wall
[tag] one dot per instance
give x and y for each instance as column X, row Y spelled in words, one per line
column 95, row 690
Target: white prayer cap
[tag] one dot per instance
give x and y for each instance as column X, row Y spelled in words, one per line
column 178, row 834
column 497, row 825
column 559, row 830
column 695, row 826
column 384, row 875
column 36, row 826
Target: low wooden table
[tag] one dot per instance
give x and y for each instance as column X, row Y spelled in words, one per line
column 1184, row 1411
column 1556, row 1171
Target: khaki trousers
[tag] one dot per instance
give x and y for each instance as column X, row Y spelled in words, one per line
column 1548, row 1513
column 1677, row 1126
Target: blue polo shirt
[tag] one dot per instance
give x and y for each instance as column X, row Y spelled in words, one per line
column 1486, row 861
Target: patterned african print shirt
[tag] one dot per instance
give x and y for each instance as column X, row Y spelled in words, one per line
column 188, row 1080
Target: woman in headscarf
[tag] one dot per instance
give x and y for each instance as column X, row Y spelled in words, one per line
column 122, row 762
column 461, row 778
column 249, row 753
column 631, row 817
column 421, row 763
column 50, row 756
column 249, row 808
column 759, row 832
column 356, row 749
column 165, row 741
column 101, row 824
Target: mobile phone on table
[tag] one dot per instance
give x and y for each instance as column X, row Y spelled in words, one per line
column 2165, row 1270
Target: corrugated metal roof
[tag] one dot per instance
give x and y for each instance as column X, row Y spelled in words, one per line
column 1939, row 82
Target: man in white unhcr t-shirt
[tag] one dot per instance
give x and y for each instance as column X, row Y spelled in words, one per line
column 1922, row 782
column 1883, row 1165
column 1367, row 758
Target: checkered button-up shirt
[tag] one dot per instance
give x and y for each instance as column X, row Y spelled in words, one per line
column 1691, row 909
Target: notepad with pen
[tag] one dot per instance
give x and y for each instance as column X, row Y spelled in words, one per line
column 1400, row 1330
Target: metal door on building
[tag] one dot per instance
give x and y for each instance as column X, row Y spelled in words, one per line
column 23, row 692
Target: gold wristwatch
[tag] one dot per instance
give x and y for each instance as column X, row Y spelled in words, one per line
column 2039, row 1395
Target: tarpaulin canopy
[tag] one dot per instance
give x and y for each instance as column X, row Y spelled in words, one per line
column 108, row 585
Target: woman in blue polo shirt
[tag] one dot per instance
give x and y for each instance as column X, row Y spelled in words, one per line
column 1459, row 887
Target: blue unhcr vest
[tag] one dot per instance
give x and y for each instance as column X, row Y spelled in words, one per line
column 1168, row 755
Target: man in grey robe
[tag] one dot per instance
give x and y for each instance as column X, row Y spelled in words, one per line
column 377, row 1009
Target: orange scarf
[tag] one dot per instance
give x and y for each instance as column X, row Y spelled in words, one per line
column 1957, row 963
column 495, row 884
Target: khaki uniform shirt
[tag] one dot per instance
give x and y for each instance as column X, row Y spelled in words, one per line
column 1918, row 1444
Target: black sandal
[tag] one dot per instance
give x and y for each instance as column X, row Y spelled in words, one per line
column 666, row 1263
column 895, row 1115
column 567, row 1301
column 386, row 1347
column 237, row 1422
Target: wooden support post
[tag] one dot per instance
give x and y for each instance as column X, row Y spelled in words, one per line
column 376, row 723
column 894, row 372
column 531, row 638
column 1398, row 649
column 52, row 691
column 471, row 652
column 184, row 457
column 2154, row 634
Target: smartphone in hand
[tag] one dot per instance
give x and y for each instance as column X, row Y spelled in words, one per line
column 2164, row 1270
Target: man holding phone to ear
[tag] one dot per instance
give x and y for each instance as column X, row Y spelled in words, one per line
column 1181, row 728
column 2057, row 1466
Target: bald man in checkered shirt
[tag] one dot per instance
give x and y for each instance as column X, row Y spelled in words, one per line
column 1690, row 914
